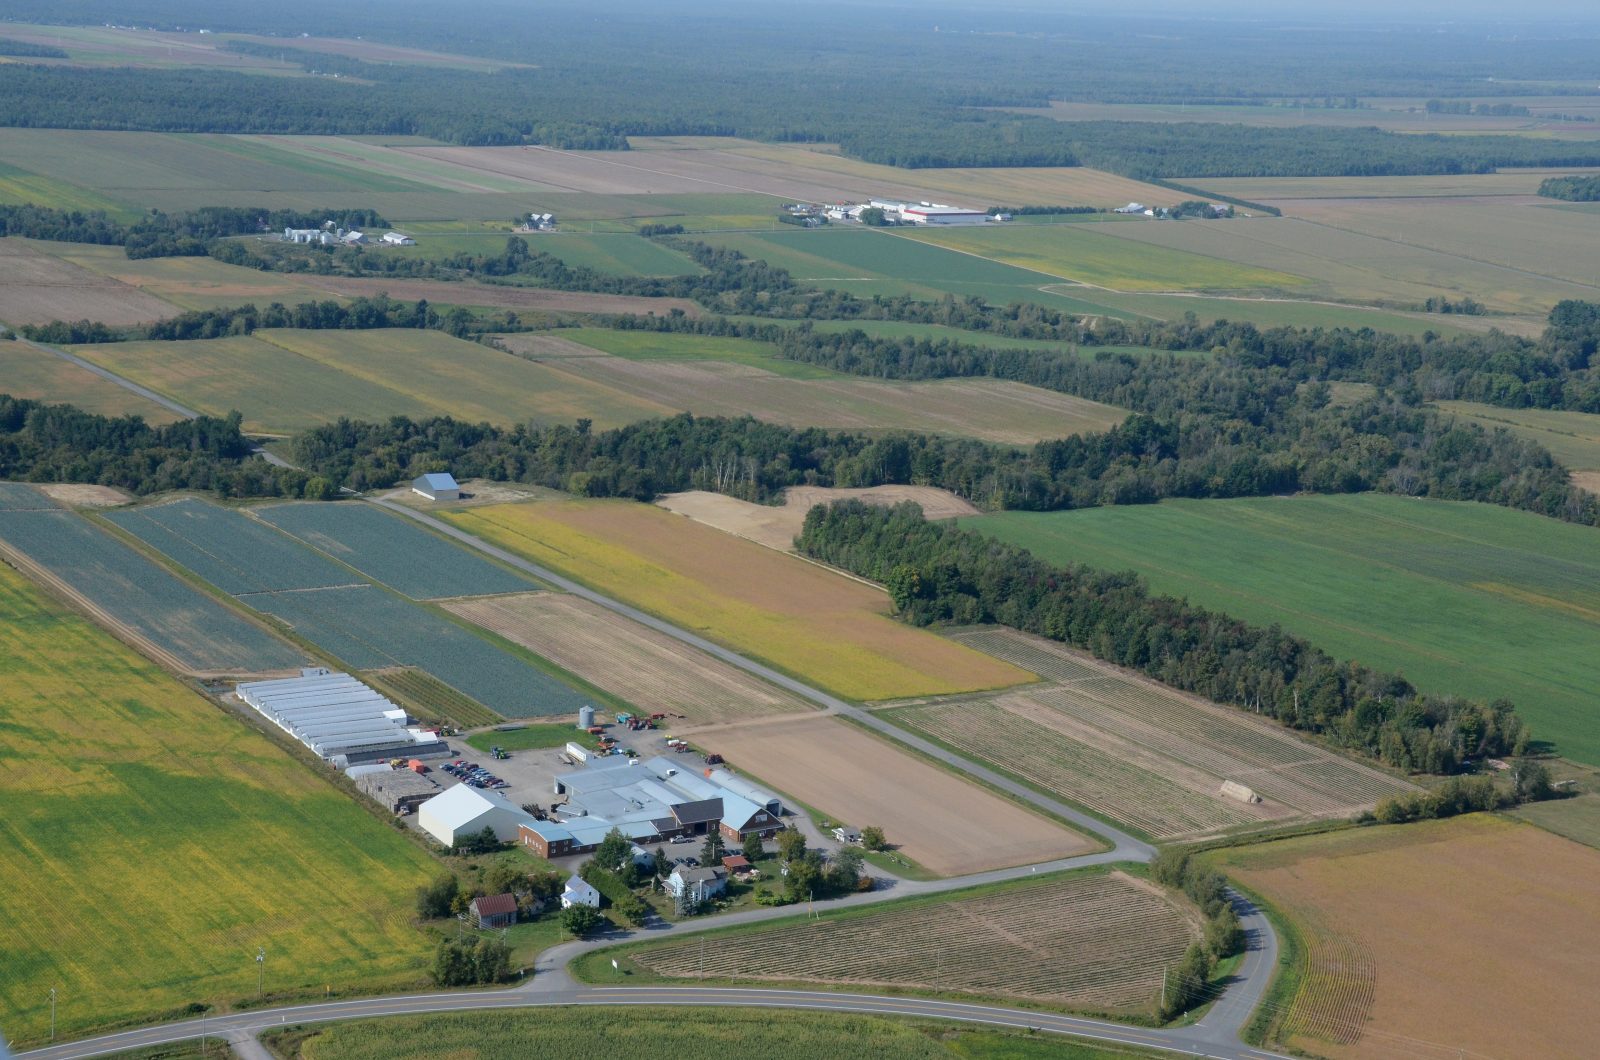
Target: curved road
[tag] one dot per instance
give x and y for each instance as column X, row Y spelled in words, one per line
column 1215, row 1035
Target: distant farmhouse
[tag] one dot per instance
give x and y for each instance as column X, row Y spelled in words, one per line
column 649, row 801
column 437, row 486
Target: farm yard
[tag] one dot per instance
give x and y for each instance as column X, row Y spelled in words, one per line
column 777, row 526
column 1464, row 599
column 795, row 615
column 29, row 371
column 1093, row 941
column 1397, row 924
column 1138, row 753
column 947, row 824
column 128, row 791
column 393, row 551
column 285, row 380
column 682, row 1033
column 165, row 616
column 652, row 671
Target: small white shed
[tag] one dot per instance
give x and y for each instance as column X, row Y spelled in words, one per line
column 437, row 486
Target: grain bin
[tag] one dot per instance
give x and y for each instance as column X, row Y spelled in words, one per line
column 585, row 717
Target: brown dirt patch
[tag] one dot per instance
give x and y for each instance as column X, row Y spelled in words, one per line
column 79, row 495
column 530, row 344
column 1588, row 480
column 37, row 288
column 941, row 821
column 1480, row 933
column 648, row 669
column 776, row 526
column 464, row 293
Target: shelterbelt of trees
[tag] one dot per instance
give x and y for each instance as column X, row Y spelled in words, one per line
column 162, row 235
column 1572, row 189
column 938, row 573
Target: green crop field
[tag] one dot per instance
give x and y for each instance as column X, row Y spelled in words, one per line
column 286, row 380
column 666, row 346
column 393, row 550
column 430, row 699
column 1572, row 437
column 180, row 838
column 27, row 371
column 1578, row 819
column 682, row 1033
column 21, row 187
column 1285, row 312
column 194, row 631
column 1088, row 255
column 1462, row 598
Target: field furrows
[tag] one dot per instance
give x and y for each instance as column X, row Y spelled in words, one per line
column 1338, row 980
column 430, row 698
column 648, row 669
column 1049, row 665
column 1099, row 942
column 1101, row 781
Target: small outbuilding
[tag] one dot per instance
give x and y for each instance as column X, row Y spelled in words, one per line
column 400, row 791
column 437, row 486
column 737, row 865
column 846, row 834
column 494, row 910
column 579, row 891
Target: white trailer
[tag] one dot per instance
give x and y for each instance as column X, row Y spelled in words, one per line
column 577, row 752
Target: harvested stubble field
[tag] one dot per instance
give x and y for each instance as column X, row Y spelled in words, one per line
column 36, row 288
column 165, row 616
column 682, row 1033
column 942, row 821
column 181, row 838
column 777, row 525
column 29, row 371
column 989, row 409
column 808, row 620
column 1466, row 599
column 648, row 669
column 1092, row 256
column 671, row 346
column 286, row 380
column 394, row 551
column 1398, row 922
column 187, row 283
column 1139, row 753
column 1097, row 942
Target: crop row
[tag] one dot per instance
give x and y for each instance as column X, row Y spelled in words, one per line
column 1101, row 941
column 229, row 549
column 371, row 629
column 430, row 698
column 390, row 550
column 1086, row 775
column 173, row 616
column 1338, row 980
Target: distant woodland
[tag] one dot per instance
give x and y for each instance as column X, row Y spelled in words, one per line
column 1572, row 189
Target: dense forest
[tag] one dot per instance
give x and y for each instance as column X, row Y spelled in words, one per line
column 1572, row 189
column 59, row 443
column 938, row 573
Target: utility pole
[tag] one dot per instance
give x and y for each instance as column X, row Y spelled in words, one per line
column 261, row 969
column 52, row 1013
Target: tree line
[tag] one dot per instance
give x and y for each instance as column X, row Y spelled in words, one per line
column 158, row 234
column 1572, row 189
column 939, row 574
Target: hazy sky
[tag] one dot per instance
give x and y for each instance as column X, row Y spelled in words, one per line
column 1584, row 11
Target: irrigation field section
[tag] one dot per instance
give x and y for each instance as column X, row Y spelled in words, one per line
column 331, row 572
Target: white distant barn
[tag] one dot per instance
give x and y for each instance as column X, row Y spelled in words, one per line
column 437, row 486
column 398, row 239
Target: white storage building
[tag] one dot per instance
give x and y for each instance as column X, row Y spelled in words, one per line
column 437, row 486
column 336, row 715
column 465, row 811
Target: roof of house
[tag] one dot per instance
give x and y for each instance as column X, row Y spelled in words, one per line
column 702, row 874
column 698, row 812
column 495, row 904
column 736, row 863
column 579, row 884
column 439, row 480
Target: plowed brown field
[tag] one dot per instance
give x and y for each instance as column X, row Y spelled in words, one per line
column 36, row 288
column 943, row 822
column 1469, row 937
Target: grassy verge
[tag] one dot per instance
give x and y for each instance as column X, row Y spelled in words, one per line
column 577, row 1033
column 532, row 737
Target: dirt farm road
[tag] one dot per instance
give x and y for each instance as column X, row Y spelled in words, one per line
column 1215, row 1035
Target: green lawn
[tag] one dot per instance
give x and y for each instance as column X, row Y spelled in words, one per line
column 1578, row 819
column 586, row 1033
column 527, row 738
column 1462, row 598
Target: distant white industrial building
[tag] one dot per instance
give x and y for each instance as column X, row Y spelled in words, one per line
column 315, row 236
column 1132, row 207
column 339, row 718
column 398, row 239
column 437, row 486
column 929, row 213
column 464, row 811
